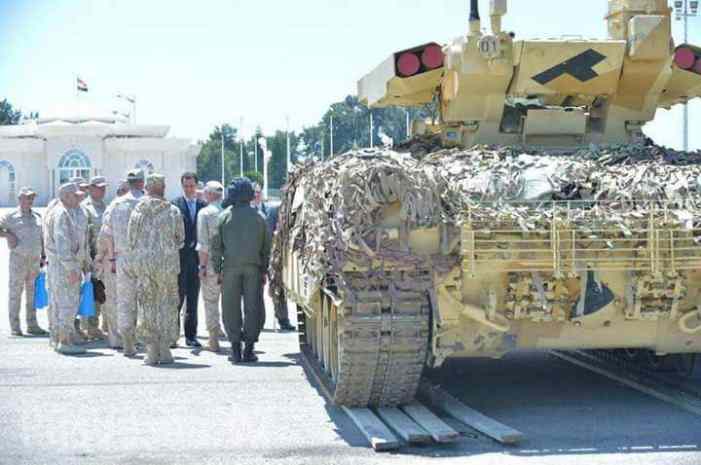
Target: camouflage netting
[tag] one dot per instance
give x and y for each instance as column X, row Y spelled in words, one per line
column 332, row 210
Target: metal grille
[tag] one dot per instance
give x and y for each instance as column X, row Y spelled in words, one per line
column 567, row 237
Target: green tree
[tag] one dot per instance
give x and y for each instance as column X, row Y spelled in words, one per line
column 209, row 162
column 8, row 115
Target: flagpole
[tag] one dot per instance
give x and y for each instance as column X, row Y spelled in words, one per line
column 241, row 142
column 255, row 151
column 223, row 180
column 287, row 166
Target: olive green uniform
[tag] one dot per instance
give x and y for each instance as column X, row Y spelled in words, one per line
column 240, row 252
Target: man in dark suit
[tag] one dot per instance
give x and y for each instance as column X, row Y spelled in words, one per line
column 189, row 280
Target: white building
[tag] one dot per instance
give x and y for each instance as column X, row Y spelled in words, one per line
column 83, row 141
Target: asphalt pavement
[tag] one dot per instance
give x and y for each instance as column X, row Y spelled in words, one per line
column 102, row 408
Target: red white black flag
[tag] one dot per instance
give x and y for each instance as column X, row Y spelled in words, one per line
column 81, row 85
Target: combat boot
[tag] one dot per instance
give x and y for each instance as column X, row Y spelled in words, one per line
column 164, row 355
column 235, row 356
column 129, row 345
column 65, row 346
column 37, row 331
column 213, row 343
column 285, row 325
column 249, row 355
column 151, row 358
column 95, row 334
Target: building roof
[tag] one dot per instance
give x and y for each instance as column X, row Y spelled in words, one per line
column 81, row 117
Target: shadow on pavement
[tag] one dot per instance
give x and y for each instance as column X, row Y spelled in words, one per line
column 561, row 409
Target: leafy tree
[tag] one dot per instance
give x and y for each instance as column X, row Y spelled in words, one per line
column 8, row 115
column 351, row 129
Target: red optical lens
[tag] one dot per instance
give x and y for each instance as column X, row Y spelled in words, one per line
column 684, row 58
column 408, row 64
column 432, row 57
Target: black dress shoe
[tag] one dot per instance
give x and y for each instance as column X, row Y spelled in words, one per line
column 193, row 343
column 235, row 356
column 249, row 355
column 285, row 325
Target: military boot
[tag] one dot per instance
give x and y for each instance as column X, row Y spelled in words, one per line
column 213, row 343
column 114, row 340
column 249, row 355
column 66, row 347
column 164, row 354
column 235, row 356
column 151, row 358
column 129, row 345
column 36, row 330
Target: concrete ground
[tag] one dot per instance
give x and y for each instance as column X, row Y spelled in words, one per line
column 104, row 409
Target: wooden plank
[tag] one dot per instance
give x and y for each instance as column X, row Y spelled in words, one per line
column 437, row 428
column 471, row 417
column 376, row 432
column 403, row 425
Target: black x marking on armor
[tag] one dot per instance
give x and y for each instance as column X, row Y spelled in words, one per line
column 580, row 67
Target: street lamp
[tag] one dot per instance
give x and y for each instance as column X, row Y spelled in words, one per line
column 685, row 9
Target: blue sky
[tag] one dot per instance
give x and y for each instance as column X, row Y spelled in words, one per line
column 196, row 63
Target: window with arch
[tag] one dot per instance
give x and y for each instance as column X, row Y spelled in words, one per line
column 7, row 183
column 72, row 165
column 146, row 166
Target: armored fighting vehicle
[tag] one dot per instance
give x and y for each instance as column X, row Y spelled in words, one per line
column 546, row 220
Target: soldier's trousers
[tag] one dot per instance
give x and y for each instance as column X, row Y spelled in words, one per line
column 109, row 308
column 65, row 299
column 157, row 298
column 241, row 282
column 126, row 299
column 23, row 271
column 211, row 291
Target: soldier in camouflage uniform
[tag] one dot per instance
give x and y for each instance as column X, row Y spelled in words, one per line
column 22, row 229
column 156, row 233
column 65, row 267
column 106, row 271
column 94, row 208
column 115, row 223
column 211, row 289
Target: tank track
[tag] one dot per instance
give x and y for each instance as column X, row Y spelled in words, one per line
column 383, row 339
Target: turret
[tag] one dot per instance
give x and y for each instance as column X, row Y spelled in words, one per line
column 548, row 93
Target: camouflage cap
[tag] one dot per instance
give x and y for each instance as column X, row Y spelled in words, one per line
column 26, row 192
column 81, row 182
column 68, row 188
column 98, row 181
column 214, row 186
column 135, row 175
column 155, row 179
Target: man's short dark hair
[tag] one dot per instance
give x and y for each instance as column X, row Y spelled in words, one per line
column 189, row 175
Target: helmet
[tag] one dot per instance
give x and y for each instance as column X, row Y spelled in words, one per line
column 240, row 192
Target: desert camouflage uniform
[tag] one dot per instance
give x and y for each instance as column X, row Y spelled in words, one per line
column 63, row 249
column 49, row 252
column 207, row 222
column 103, row 272
column 94, row 211
column 156, row 234
column 25, row 261
column 115, row 222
